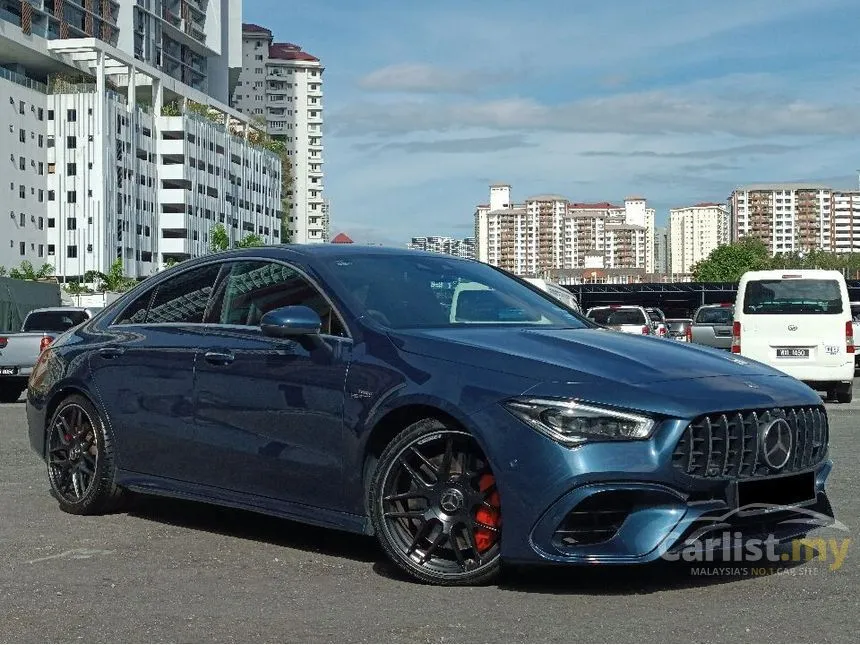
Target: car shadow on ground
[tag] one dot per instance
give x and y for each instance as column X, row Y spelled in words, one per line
column 582, row 579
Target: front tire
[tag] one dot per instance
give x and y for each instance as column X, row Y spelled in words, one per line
column 10, row 392
column 845, row 393
column 435, row 507
column 80, row 459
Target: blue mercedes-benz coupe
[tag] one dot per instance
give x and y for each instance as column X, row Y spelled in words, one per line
column 457, row 413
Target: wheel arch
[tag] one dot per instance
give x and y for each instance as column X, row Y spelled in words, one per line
column 393, row 421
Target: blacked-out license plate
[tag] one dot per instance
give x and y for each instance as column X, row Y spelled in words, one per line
column 777, row 491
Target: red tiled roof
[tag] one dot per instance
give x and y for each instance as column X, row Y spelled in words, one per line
column 289, row 51
column 342, row 238
column 251, row 27
column 593, row 206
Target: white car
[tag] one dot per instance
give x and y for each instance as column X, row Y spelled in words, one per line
column 800, row 323
column 623, row 318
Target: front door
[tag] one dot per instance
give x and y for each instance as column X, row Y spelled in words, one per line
column 269, row 412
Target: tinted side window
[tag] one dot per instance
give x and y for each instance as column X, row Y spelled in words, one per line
column 135, row 313
column 254, row 288
column 183, row 299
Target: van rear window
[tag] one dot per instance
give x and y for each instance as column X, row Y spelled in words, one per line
column 796, row 296
column 618, row 316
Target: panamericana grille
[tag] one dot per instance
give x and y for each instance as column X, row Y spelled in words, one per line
column 727, row 445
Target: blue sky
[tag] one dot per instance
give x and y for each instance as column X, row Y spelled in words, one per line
column 426, row 103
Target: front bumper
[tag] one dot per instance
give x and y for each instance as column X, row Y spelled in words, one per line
column 626, row 498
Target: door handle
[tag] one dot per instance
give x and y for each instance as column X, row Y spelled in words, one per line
column 111, row 352
column 219, row 357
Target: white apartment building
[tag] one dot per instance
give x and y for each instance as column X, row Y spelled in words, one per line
column 695, row 231
column 845, row 221
column 22, row 152
column 281, row 85
column 549, row 232
column 463, row 248
column 787, row 217
column 197, row 42
column 124, row 176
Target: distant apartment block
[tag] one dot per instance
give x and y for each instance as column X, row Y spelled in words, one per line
column 845, row 221
column 281, row 86
column 105, row 160
column 547, row 232
column 661, row 250
column 695, row 231
column 787, row 217
column 463, row 248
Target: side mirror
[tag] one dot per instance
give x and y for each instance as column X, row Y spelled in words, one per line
column 291, row 322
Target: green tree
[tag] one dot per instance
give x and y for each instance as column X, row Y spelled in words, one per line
column 27, row 272
column 76, row 288
column 729, row 262
column 2, row 271
column 114, row 280
column 251, row 239
column 219, row 239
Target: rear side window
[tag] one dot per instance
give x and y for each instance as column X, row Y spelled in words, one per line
column 180, row 299
column 793, row 296
column 618, row 316
column 54, row 320
column 715, row 316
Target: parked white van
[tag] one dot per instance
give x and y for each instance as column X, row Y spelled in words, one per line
column 800, row 323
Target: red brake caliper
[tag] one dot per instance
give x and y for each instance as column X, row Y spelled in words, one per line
column 485, row 538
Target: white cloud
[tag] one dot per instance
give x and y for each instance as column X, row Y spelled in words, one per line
column 421, row 78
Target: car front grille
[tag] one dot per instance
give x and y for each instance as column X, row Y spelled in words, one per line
column 727, row 445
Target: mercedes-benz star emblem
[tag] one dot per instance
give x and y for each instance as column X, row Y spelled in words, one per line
column 792, row 328
column 452, row 500
column 776, row 443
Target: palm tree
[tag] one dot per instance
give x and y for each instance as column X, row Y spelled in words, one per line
column 114, row 280
column 27, row 272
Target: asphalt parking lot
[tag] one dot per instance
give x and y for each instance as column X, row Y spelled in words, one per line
column 191, row 573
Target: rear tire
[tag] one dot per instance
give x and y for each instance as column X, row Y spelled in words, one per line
column 845, row 393
column 80, row 459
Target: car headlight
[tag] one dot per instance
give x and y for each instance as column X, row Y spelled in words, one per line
column 572, row 423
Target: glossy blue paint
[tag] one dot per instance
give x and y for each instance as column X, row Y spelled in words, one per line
column 282, row 423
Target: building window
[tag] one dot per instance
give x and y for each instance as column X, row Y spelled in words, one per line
column 22, row 164
column 71, row 115
column 41, row 223
column 41, row 115
column 41, row 250
column 50, row 118
column 22, row 136
column 71, row 224
column 41, row 168
column 72, row 251
column 71, row 197
column 71, row 169
column 22, row 248
column 22, row 192
column 51, row 195
column 52, row 223
column 51, row 249
column 52, row 167
column 71, row 142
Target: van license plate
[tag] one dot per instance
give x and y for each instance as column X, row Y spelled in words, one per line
column 792, row 352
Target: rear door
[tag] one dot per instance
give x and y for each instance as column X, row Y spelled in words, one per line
column 794, row 321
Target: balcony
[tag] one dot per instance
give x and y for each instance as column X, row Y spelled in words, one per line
column 174, row 196
column 174, row 245
column 172, row 220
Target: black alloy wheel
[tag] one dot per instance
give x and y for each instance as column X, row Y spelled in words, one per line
column 80, row 461
column 435, row 506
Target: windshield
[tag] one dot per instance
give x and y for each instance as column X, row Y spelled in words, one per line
column 608, row 316
column 716, row 316
column 678, row 325
column 53, row 320
column 656, row 314
column 404, row 292
column 804, row 296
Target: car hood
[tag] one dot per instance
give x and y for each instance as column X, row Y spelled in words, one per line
column 577, row 355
